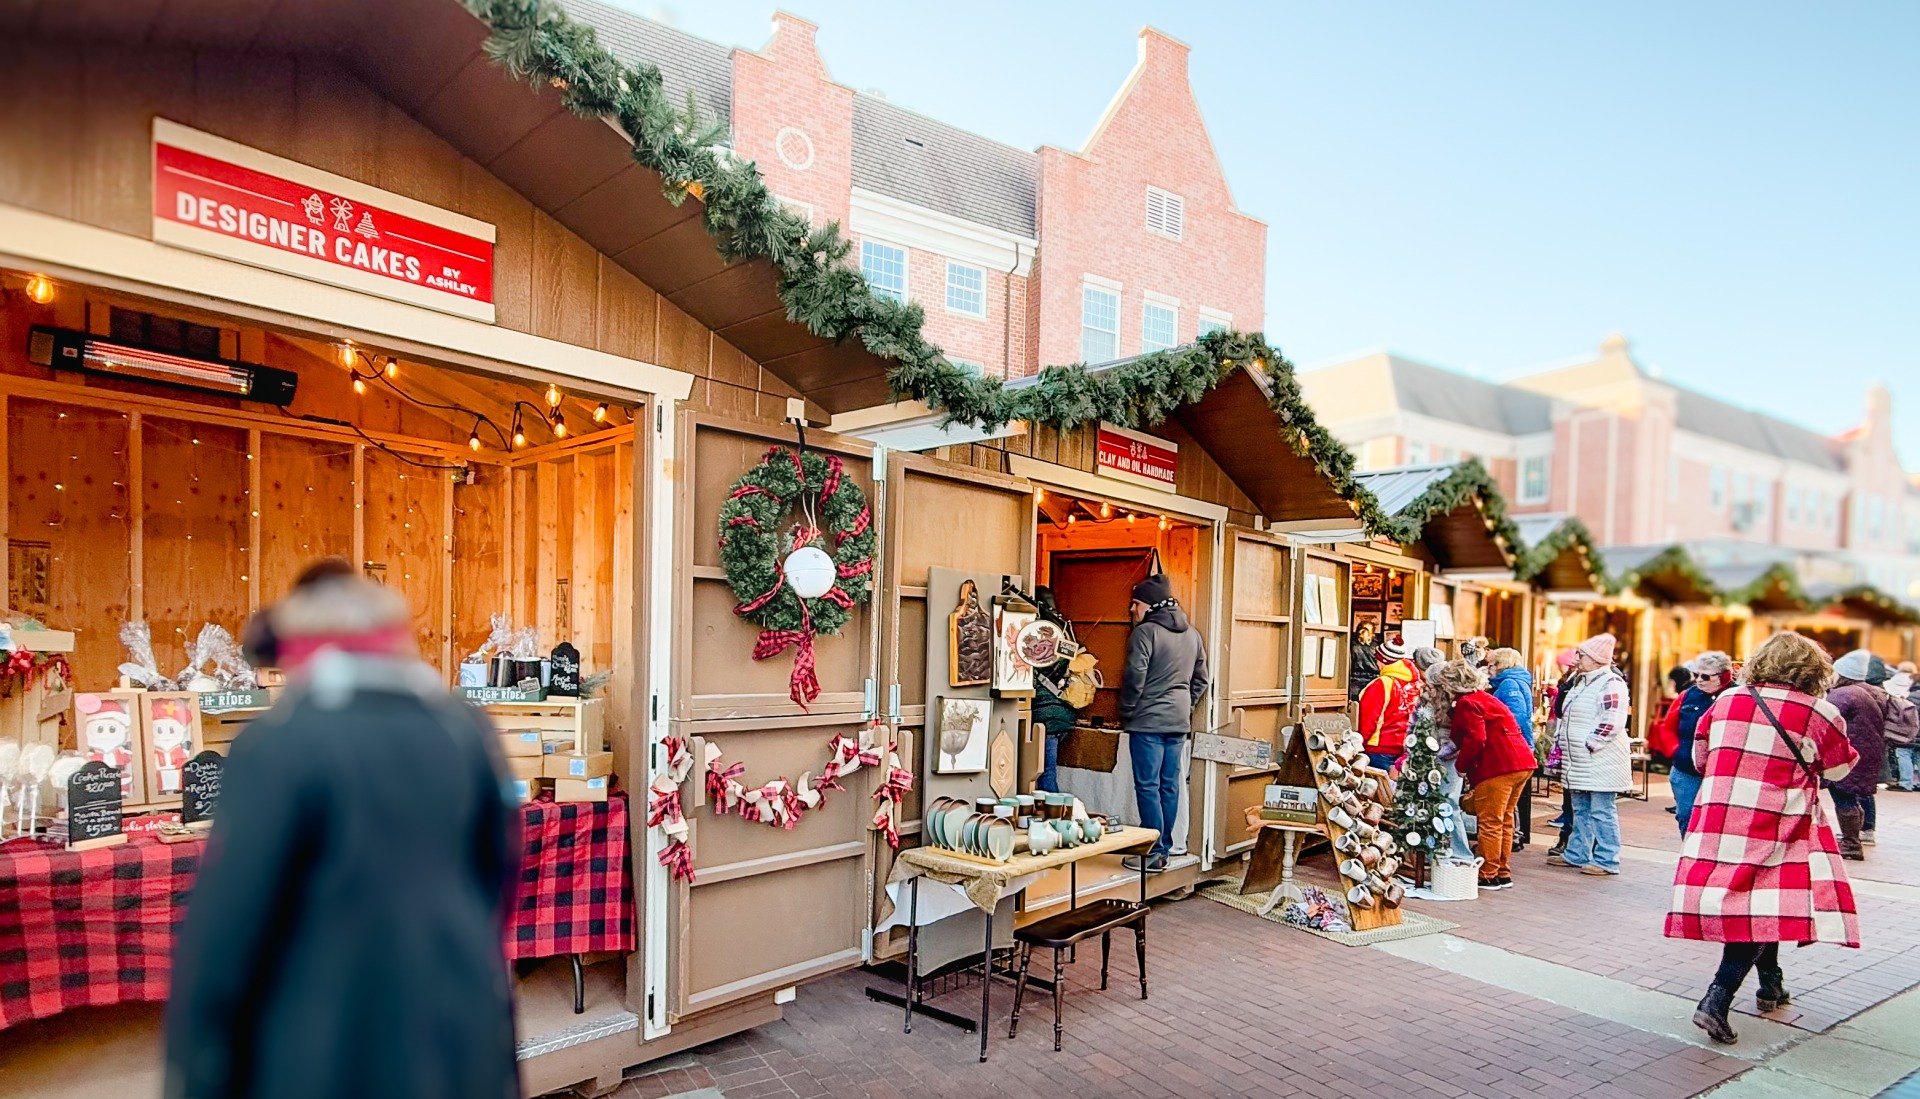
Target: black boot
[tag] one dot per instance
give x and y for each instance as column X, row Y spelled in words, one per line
column 1711, row 1015
column 1850, row 822
column 1772, row 993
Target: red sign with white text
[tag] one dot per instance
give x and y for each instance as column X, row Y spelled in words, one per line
column 284, row 216
column 1136, row 457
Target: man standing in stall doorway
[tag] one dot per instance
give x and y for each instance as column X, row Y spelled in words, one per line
column 1166, row 675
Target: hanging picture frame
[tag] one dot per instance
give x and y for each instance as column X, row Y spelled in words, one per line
column 1011, row 673
column 962, row 740
column 969, row 640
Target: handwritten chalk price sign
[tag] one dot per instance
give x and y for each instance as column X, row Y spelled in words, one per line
column 201, row 792
column 93, row 807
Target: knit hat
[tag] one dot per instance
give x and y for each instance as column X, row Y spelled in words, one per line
column 1425, row 657
column 1154, row 590
column 1598, row 648
column 1565, row 659
column 1392, row 649
column 1711, row 662
column 1856, row 665
column 1878, row 672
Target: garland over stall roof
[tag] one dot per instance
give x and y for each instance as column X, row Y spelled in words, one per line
column 1562, row 550
column 537, row 42
column 1449, row 507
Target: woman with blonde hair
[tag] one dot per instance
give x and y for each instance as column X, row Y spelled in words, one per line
column 1492, row 755
column 1760, row 867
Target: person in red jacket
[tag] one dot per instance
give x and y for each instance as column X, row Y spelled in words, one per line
column 1493, row 755
column 1386, row 705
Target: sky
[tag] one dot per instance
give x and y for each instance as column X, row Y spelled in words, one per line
column 1492, row 187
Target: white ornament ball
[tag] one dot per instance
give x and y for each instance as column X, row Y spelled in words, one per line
column 809, row 572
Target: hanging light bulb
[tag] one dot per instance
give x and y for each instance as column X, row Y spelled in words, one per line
column 473, row 440
column 345, row 352
column 553, row 395
column 559, row 425
column 393, row 368
column 1073, row 517
column 1163, row 523
column 359, row 384
column 600, row 413
column 1106, row 510
column 519, row 436
column 1130, row 517
column 1039, row 494
column 40, row 289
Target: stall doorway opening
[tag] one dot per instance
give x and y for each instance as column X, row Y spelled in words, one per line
column 1089, row 552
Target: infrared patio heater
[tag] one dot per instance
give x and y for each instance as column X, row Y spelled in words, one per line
column 65, row 349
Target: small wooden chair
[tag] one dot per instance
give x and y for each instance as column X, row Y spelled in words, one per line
column 1062, row 932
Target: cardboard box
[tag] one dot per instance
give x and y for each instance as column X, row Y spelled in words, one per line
column 526, row 766
column 557, row 747
column 522, row 744
column 596, row 765
column 526, row 789
column 580, row 789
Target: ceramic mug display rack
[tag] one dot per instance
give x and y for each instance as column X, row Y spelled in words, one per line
column 1353, row 804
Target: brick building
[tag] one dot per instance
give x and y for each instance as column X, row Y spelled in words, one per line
column 1020, row 258
column 1644, row 462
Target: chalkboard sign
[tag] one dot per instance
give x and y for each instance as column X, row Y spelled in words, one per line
column 202, row 789
column 564, row 677
column 93, row 807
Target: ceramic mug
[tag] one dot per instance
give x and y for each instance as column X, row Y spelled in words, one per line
column 1367, row 786
column 1353, row 868
column 1376, row 883
column 1373, row 812
column 1369, row 857
column 1388, row 867
column 1041, row 838
column 1331, row 768
column 1347, row 844
column 1317, row 741
column 1338, row 817
column 1394, row 895
column 1365, row 831
column 1360, row 897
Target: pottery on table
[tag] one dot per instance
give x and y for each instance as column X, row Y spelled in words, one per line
column 999, row 844
column 1068, row 830
column 1091, row 830
column 1041, row 838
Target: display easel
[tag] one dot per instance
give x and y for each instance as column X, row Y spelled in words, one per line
column 1279, row 843
column 1334, row 727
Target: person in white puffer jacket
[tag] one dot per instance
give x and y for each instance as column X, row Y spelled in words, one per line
column 1595, row 758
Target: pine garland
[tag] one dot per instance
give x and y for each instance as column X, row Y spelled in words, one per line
column 1779, row 574
column 1469, row 481
column 1675, row 559
column 537, row 43
column 1570, row 534
column 1868, row 595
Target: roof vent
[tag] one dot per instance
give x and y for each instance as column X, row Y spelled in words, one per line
column 916, row 143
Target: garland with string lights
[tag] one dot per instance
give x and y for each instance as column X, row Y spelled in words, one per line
column 758, row 548
column 536, row 42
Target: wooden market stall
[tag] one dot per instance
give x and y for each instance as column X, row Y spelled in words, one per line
column 1563, row 568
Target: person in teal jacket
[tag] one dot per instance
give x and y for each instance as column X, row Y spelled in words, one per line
column 1513, row 686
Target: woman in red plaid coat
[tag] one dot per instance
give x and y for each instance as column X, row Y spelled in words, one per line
column 1760, row 867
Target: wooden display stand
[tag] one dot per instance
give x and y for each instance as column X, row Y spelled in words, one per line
column 576, row 719
column 34, row 711
column 1334, row 727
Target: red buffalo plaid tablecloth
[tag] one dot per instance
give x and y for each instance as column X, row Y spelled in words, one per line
column 89, row 928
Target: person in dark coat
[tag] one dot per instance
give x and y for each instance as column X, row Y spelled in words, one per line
column 1860, row 700
column 344, row 937
column 1712, row 673
column 1363, row 664
column 1165, row 676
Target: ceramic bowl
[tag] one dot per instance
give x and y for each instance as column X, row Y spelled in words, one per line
column 1000, row 839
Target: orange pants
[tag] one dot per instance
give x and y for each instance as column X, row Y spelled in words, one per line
column 1495, row 803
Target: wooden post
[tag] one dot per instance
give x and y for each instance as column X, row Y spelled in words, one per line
column 253, row 519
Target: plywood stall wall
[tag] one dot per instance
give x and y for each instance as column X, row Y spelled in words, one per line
column 1260, row 662
column 1323, row 679
column 570, row 535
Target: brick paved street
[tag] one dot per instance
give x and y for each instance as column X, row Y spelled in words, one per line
column 1241, row 1006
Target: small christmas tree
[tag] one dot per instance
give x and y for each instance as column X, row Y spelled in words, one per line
column 1422, row 816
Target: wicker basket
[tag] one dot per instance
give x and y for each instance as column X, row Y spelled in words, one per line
column 1455, row 880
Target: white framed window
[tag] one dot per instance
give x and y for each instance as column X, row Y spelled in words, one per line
column 1416, row 452
column 1166, row 214
column 1159, row 323
column 1099, row 324
column 886, row 269
column 1212, row 320
column 966, row 290
column 1717, row 489
column 1533, row 479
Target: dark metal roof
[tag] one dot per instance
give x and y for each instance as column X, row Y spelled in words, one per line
column 916, row 159
column 1743, row 427
column 686, row 63
column 1463, row 399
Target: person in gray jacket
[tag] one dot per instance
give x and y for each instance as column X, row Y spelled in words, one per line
column 1165, row 676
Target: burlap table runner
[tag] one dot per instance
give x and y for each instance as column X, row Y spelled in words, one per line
column 986, row 883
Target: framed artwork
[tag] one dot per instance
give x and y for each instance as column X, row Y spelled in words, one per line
column 170, row 735
column 1010, row 673
column 108, row 727
column 1329, row 600
column 1367, row 618
column 1395, row 611
column 1310, row 603
column 962, row 747
column 1329, row 657
column 1369, row 585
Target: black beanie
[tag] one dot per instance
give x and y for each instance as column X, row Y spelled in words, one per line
column 1154, row 590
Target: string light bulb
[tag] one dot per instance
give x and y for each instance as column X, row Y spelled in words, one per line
column 1163, row 523
column 40, row 289
column 553, row 395
column 600, row 413
column 1130, row 517
column 359, row 385
column 393, row 368
column 345, row 353
column 1073, row 517
column 1106, row 510
column 559, row 425
column 473, row 440
column 519, row 435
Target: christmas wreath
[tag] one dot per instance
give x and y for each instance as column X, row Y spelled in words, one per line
column 791, row 501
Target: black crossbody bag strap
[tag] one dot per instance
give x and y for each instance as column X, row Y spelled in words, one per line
column 1793, row 747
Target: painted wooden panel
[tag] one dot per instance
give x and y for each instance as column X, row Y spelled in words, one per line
column 194, row 526
column 69, row 526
